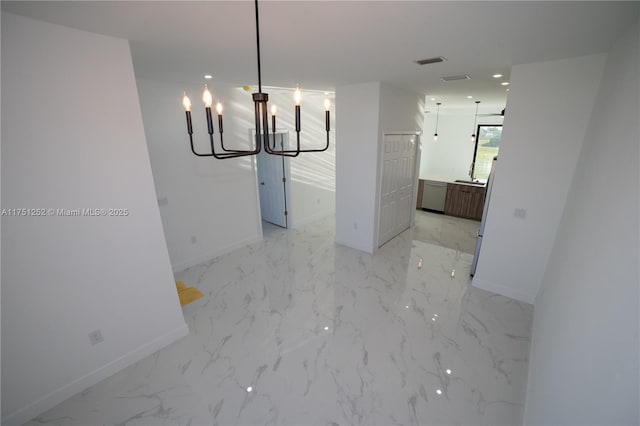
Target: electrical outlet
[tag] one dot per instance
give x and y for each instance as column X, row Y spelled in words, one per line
column 520, row 213
column 193, row 239
column 163, row 201
column 95, row 337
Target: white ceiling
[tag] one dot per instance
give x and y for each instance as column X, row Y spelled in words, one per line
column 324, row 44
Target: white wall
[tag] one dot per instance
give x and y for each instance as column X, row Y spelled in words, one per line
column 73, row 138
column 584, row 356
column 213, row 200
column 548, row 109
column 356, row 164
column 313, row 175
column 450, row 157
column 366, row 111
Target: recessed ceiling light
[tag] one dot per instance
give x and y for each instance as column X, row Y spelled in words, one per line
column 469, row 97
column 433, row 99
column 507, row 89
column 497, row 75
column 249, row 389
column 505, row 83
column 208, row 76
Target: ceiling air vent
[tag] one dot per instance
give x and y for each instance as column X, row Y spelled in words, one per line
column 456, row 77
column 431, row 60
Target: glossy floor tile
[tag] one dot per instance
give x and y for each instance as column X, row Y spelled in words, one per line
column 446, row 231
column 296, row 330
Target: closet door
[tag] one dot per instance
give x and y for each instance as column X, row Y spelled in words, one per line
column 397, row 184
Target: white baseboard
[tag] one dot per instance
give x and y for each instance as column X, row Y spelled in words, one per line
column 65, row 392
column 181, row 266
column 503, row 291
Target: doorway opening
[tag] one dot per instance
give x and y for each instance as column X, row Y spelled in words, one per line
column 273, row 173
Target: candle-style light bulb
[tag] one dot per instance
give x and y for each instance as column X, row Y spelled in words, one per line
column 297, row 96
column 327, row 104
column 273, row 110
column 186, row 102
column 219, row 108
column 473, row 138
column 206, row 97
column 435, row 136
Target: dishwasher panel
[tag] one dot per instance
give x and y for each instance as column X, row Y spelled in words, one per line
column 434, row 195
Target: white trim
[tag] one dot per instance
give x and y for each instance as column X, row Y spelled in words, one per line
column 65, row 392
column 504, row 290
column 179, row 267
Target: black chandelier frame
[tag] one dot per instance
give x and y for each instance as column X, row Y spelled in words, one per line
column 260, row 101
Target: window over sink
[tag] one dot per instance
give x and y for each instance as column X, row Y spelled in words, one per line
column 487, row 146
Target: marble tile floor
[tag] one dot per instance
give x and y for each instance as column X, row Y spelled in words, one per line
column 446, row 231
column 297, row 330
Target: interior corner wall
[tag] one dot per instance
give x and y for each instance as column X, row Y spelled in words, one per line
column 366, row 111
column 208, row 206
column 357, row 142
column 449, row 158
column 584, row 360
column 73, row 139
column 548, row 109
column 312, row 175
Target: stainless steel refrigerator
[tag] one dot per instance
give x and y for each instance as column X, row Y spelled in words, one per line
column 485, row 209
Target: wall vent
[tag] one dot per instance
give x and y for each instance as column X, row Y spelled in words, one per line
column 431, row 60
column 456, row 77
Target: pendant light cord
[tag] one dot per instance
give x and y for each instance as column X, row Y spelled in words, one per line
column 258, row 46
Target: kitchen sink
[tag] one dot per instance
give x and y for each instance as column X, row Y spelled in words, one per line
column 470, row 182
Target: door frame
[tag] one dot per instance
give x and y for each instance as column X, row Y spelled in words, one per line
column 287, row 183
column 416, row 175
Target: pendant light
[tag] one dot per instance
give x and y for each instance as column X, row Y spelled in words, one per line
column 475, row 122
column 260, row 100
column 435, row 135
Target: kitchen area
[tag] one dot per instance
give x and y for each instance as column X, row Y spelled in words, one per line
column 459, row 199
column 454, row 185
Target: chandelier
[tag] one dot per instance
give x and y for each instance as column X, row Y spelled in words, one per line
column 260, row 101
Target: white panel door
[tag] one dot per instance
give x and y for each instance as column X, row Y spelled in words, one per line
column 397, row 185
column 272, row 171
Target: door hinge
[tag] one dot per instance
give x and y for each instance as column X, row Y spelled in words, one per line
column 284, row 180
column 285, row 213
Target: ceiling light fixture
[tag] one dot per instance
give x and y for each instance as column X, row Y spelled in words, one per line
column 435, row 138
column 260, row 101
column 208, row 76
column 505, row 83
column 473, row 134
column 431, row 60
column 497, row 75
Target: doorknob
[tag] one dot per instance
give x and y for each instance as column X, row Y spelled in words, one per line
column 262, row 183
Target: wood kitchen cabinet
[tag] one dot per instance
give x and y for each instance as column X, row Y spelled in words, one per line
column 464, row 201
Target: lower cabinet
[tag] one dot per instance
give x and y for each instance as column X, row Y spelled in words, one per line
column 464, row 201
